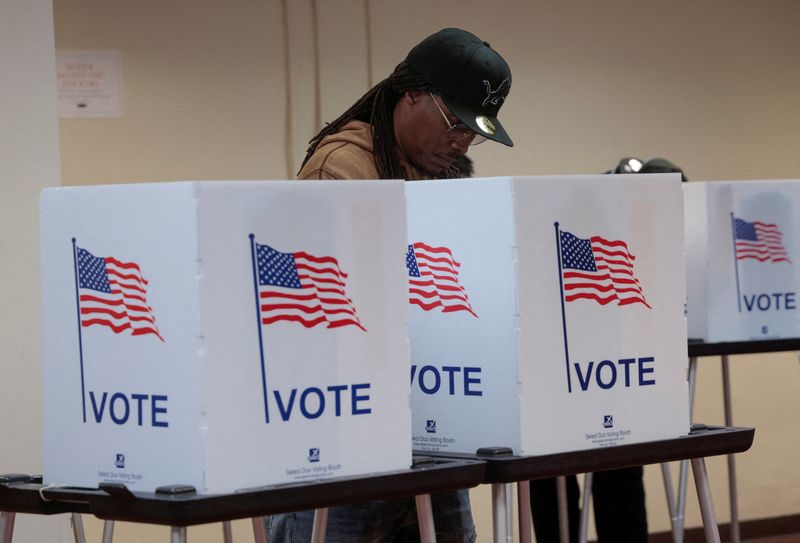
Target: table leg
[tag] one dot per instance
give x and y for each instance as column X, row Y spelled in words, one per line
column 108, row 531
column 227, row 534
column 499, row 512
column 6, row 526
column 320, row 525
column 509, row 513
column 704, row 497
column 675, row 521
column 684, row 471
column 563, row 520
column 524, row 507
column 260, row 534
column 587, row 497
column 178, row 534
column 682, row 485
column 726, row 395
column 427, row 530
column 77, row 529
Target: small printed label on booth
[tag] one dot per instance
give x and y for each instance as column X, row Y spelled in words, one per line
column 433, row 442
column 126, row 478
column 313, row 472
column 609, row 437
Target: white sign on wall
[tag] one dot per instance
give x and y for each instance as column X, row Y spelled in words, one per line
column 89, row 83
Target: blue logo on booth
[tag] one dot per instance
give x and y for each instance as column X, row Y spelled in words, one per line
column 608, row 421
column 313, row 454
column 120, row 461
column 430, row 426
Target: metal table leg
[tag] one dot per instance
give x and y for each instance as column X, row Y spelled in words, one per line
column 680, row 513
column 563, row 521
column 499, row 512
column 77, row 528
column 704, row 496
column 260, row 534
column 178, row 534
column 682, row 484
column 524, row 507
column 726, row 395
column 587, row 496
column 427, row 530
column 227, row 534
column 108, row 531
column 6, row 526
column 320, row 525
column 675, row 521
column 509, row 513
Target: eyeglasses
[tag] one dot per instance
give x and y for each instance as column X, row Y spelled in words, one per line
column 459, row 132
column 629, row 165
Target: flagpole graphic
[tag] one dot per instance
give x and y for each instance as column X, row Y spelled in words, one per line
column 258, row 317
column 563, row 309
column 736, row 263
column 80, row 333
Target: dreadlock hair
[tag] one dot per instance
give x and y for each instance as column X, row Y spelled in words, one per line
column 376, row 107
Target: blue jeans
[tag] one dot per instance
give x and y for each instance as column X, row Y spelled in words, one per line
column 392, row 521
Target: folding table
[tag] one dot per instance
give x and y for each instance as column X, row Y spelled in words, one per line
column 502, row 467
column 179, row 506
column 698, row 348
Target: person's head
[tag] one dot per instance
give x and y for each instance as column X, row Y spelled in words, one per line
column 654, row 165
column 442, row 98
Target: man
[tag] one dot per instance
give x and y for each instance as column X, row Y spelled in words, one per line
column 415, row 124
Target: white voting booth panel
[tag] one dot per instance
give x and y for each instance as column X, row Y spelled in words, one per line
column 742, row 260
column 547, row 313
column 224, row 334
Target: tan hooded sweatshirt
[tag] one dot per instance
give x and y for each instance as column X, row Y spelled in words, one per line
column 348, row 154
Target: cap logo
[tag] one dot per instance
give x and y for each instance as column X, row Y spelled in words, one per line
column 485, row 124
column 494, row 96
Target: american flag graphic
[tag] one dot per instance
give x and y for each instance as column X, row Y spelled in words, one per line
column 303, row 288
column 759, row 241
column 113, row 293
column 433, row 279
column 600, row 270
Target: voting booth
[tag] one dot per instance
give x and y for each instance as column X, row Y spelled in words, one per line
column 547, row 313
column 741, row 260
column 224, row 335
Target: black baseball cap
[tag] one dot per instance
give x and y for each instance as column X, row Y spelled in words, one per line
column 471, row 77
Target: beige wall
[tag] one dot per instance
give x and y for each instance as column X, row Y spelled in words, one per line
column 711, row 85
column 212, row 92
column 203, row 97
column 28, row 163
